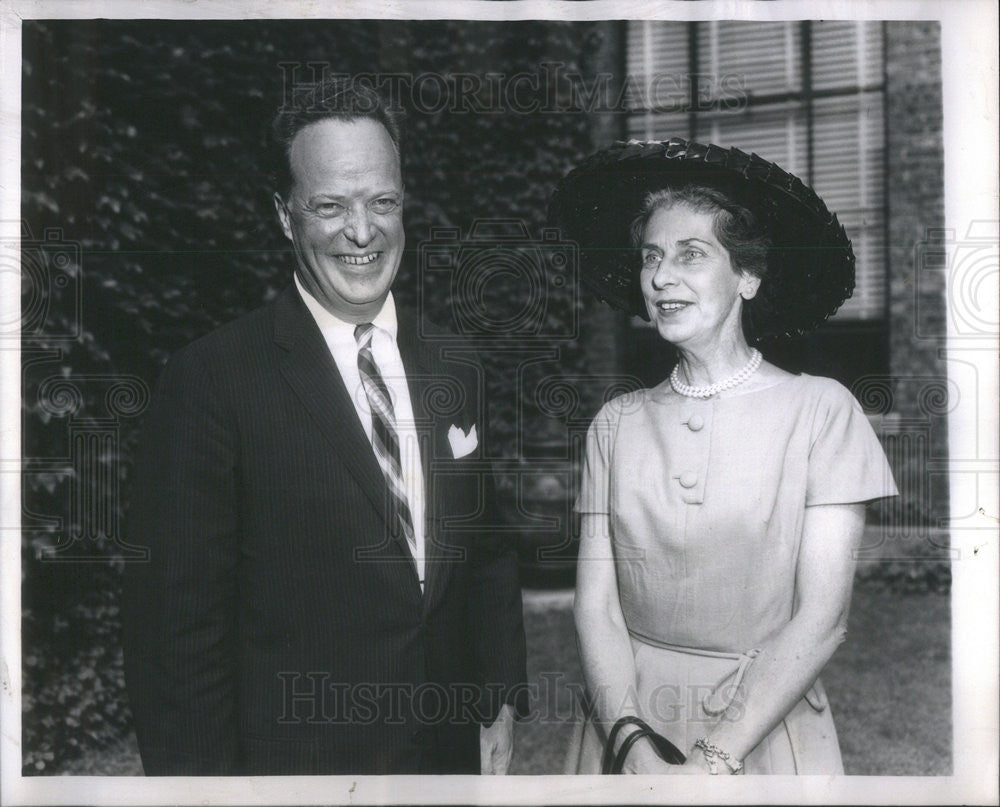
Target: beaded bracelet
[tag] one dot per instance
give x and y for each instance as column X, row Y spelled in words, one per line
column 712, row 751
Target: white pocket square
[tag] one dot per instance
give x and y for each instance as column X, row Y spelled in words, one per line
column 462, row 444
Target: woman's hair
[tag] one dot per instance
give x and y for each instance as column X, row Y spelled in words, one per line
column 737, row 229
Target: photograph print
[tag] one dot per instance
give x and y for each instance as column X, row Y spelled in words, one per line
column 490, row 397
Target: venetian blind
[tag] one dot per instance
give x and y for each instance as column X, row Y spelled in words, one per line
column 657, row 64
column 750, row 79
column 849, row 150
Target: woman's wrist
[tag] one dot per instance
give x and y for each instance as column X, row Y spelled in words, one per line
column 626, row 731
column 715, row 759
column 642, row 758
column 642, row 745
column 619, row 731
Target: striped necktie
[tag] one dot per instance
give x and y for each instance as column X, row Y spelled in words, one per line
column 385, row 440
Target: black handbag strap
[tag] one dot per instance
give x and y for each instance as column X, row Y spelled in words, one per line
column 609, row 748
column 627, row 743
column 612, row 763
column 667, row 750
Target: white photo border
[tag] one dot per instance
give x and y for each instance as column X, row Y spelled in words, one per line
column 969, row 43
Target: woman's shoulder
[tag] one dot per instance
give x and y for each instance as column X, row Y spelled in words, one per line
column 822, row 389
column 775, row 395
column 829, row 407
column 807, row 390
column 624, row 403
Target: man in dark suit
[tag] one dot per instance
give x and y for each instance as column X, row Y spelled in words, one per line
column 323, row 593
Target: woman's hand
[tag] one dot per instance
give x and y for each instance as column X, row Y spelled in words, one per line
column 695, row 766
column 643, row 759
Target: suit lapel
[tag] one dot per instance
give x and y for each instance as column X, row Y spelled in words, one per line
column 423, row 369
column 310, row 370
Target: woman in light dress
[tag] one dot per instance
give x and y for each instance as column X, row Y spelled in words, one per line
column 720, row 510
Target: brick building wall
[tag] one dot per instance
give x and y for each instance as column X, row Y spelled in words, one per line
column 909, row 403
column 917, row 395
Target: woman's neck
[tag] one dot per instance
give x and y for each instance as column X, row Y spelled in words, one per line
column 713, row 363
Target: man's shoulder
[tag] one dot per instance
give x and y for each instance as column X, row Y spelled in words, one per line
column 413, row 320
column 429, row 329
column 435, row 340
column 237, row 338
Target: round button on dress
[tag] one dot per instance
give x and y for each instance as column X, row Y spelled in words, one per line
column 706, row 565
column 695, row 423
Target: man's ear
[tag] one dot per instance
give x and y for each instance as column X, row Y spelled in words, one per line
column 282, row 210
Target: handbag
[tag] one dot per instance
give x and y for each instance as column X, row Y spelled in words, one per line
column 611, row 763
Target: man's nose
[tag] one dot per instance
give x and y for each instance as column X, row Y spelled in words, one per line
column 359, row 227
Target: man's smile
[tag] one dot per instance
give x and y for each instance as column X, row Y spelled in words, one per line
column 358, row 260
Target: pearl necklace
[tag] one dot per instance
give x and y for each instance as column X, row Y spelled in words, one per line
column 713, row 389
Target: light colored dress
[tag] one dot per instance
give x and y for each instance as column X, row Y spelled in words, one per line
column 706, row 502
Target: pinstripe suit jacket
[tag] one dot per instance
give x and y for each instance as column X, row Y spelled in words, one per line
column 278, row 626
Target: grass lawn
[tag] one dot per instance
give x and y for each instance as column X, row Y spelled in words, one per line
column 889, row 686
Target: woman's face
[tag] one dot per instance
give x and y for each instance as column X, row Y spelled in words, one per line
column 692, row 293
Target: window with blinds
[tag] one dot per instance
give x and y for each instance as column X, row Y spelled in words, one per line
column 807, row 95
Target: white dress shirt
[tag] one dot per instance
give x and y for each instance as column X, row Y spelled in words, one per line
column 339, row 336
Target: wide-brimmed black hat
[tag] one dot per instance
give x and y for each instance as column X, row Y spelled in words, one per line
column 810, row 261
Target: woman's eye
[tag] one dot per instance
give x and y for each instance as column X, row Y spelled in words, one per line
column 650, row 259
column 692, row 254
column 385, row 205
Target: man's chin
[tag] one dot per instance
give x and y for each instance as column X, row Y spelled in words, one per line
column 361, row 299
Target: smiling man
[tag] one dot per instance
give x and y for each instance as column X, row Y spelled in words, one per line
column 343, row 212
column 309, row 605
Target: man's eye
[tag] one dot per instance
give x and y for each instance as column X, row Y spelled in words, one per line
column 385, row 205
column 328, row 209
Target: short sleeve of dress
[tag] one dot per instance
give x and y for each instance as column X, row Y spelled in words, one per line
column 846, row 462
column 594, row 480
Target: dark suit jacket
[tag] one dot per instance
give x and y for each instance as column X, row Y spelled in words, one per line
column 278, row 626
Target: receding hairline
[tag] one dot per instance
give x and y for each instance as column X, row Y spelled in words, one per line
column 355, row 120
column 290, row 155
column 343, row 100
